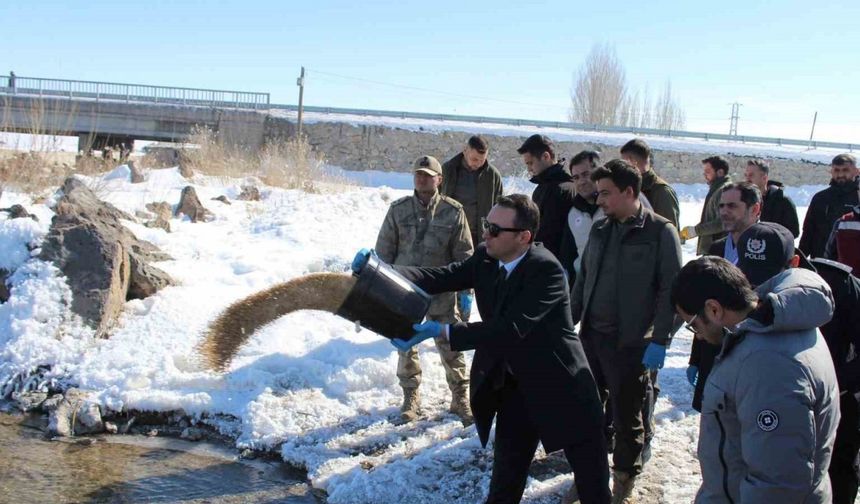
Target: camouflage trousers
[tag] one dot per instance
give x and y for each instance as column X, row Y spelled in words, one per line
column 409, row 367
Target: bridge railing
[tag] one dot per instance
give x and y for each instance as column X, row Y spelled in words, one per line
column 132, row 93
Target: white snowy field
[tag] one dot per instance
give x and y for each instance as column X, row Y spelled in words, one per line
column 308, row 385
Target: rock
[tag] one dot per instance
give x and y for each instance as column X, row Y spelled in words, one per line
column 185, row 167
column 4, row 289
column 222, row 199
column 32, row 400
column 111, row 428
column 136, row 174
column 152, row 432
column 19, row 212
column 105, row 264
column 127, row 426
column 249, row 193
column 163, row 212
column 193, row 434
column 73, row 413
column 189, row 205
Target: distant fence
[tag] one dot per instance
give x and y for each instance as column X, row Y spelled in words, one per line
column 139, row 93
column 132, row 93
column 575, row 126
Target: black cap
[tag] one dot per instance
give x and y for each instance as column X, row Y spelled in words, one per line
column 537, row 143
column 764, row 250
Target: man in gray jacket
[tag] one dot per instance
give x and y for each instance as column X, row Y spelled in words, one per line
column 771, row 403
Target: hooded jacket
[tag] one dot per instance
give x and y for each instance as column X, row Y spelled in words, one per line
column 771, row 402
column 826, row 206
column 777, row 207
column 554, row 196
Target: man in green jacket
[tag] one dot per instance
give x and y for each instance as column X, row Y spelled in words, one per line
column 660, row 194
column 715, row 169
column 472, row 181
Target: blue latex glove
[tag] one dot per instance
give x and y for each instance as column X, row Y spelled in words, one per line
column 360, row 260
column 654, row 357
column 423, row 331
column 465, row 301
column 692, row 374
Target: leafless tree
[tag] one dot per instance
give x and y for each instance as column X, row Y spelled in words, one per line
column 601, row 95
column 600, row 88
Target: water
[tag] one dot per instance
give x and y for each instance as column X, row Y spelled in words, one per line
column 135, row 469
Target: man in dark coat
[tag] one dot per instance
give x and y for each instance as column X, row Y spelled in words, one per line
column 660, row 194
column 529, row 370
column 776, row 206
column 843, row 341
column 472, row 181
column 554, row 193
column 830, row 204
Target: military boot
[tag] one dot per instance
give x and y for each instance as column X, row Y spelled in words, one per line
column 622, row 487
column 411, row 406
column 460, row 407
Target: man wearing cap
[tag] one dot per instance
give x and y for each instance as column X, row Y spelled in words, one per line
column 830, row 204
column 715, row 169
column 770, row 408
column 555, row 189
column 740, row 206
column 476, row 184
column 428, row 229
column 842, row 339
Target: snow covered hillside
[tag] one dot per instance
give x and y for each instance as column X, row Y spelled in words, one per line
column 307, row 386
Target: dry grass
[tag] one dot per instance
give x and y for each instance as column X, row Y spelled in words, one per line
column 289, row 164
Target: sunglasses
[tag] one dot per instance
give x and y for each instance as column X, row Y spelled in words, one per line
column 689, row 325
column 495, row 230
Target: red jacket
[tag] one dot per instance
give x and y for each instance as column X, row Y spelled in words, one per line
column 844, row 242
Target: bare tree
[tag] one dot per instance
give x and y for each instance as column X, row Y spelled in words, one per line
column 600, row 88
column 601, row 95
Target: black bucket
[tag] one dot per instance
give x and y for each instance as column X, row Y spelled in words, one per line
column 385, row 302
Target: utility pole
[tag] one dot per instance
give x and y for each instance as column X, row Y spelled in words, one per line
column 301, row 83
column 811, row 133
column 733, row 125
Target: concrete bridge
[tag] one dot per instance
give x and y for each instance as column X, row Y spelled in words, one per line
column 114, row 115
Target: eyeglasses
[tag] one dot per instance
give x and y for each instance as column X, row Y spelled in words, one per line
column 495, row 230
column 689, row 325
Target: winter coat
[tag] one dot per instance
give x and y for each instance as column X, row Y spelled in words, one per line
column 663, row 199
column 844, row 242
column 579, row 221
column 554, row 196
column 710, row 227
column 826, row 206
column 412, row 235
column 777, row 207
column 771, row 403
column 649, row 260
column 489, row 188
column 841, row 334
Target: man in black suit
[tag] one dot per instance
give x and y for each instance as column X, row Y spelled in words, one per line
column 529, row 369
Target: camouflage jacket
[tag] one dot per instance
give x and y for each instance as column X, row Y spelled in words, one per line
column 436, row 235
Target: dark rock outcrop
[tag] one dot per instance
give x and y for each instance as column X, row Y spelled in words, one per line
column 105, row 264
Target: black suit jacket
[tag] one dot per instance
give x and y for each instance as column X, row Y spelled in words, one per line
column 526, row 325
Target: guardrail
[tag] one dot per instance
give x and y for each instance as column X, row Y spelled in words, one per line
column 575, row 126
column 132, row 93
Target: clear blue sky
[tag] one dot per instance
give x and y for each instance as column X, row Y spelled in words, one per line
column 782, row 60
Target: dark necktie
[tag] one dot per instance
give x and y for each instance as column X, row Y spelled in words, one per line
column 501, row 277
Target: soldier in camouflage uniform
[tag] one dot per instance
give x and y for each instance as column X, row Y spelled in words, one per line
column 429, row 229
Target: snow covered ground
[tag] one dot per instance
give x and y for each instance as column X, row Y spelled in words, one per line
column 307, row 386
